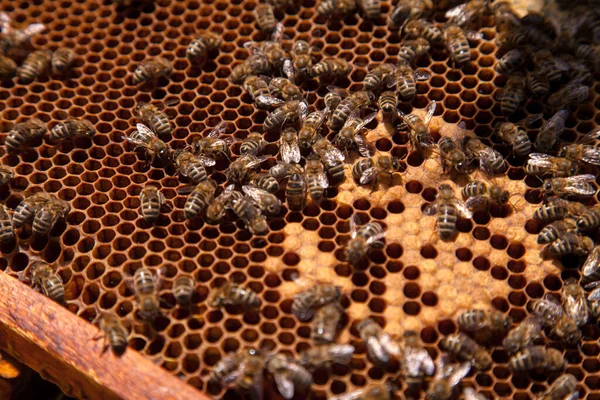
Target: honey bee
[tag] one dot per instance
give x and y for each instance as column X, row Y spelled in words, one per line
column 447, row 377
column 202, row 44
column 114, row 333
column 310, row 126
column 332, row 158
column 285, row 89
column 26, row 210
column 571, row 94
column 152, row 69
column 380, row 345
column 258, row 88
column 418, row 135
column 361, row 239
column 550, row 131
column 371, row 8
column 16, row 38
column 253, row 144
column 549, row 65
column 554, row 316
column 411, row 49
column 35, row 65
column 524, row 335
column 240, row 169
column 234, row 294
column 512, row 94
column 556, row 208
column 192, row 166
column 405, row 78
column 556, row 229
column 415, row 361
column 151, row 201
column 572, row 243
column 378, row 76
column 406, row 10
column 315, row 178
column 590, row 219
column 146, row 294
column 266, row 182
column 62, row 59
column 326, row 355
column 538, row 83
column 590, row 271
column 470, row 394
column 350, row 135
column 242, row 370
column 457, row 44
column 267, row 202
column 295, row 192
column 594, row 300
column 183, row 289
column 342, row 112
column 367, row 170
column 478, row 195
column 153, row 118
column 490, row 160
column 250, row 215
column 7, row 231
column 200, row 198
column 516, row 136
column 577, row 186
column 255, row 64
column 377, row 391
column 51, row 284
column 8, row 68
column 6, row 175
column 332, row 99
column 537, row 358
column 574, row 302
column 265, row 17
column 23, row 133
column 72, row 127
column 581, row 152
column 288, row 145
column 448, row 208
column 283, row 170
column 315, row 296
column 330, row 67
column 466, row 14
column 489, row 321
column 213, row 145
column 466, row 349
column 564, row 387
column 215, row 211
column 301, row 57
column 540, row 165
column 388, row 101
column 290, row 376
column 289, row 112
column 325, row 323
column 452, row 155
column 272, row 49
column 334, row 7
column 48, row 214
column 416, row 28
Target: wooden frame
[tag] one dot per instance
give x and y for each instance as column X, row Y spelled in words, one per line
column 60, row 346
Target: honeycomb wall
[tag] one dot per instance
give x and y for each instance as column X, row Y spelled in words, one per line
column 415, row 282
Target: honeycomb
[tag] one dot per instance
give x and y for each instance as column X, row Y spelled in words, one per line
column 415, row 282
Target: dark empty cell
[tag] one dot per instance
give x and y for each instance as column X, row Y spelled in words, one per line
column 499, row 273
column 429, row 251
column 414, row 187
column 412, row 272
column 534, row 290
column 412, row 290
column 481, row 263
column 499, row 242
column 481, row 233
column 552, row 282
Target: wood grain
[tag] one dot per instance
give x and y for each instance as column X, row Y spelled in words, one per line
column 60, row 346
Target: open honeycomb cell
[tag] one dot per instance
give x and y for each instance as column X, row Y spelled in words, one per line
column 417, row 282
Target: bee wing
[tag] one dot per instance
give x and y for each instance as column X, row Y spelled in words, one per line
column 219, row 129
column 594, row 134
column 573, row 187
column 206, row 161
column 389, row 344
column 376, row 350
column 137, row 142
column 456, row 11
column 278, row 34
column 338, row 90
column 416, row 360
column 422, row 76
column 463, row 210
column 290, row 152
column 5, row 20
column 322, row 180
column 342, row 353
column 594, row 295
column 430, row 110
column 288, row 69
column 284, row 385
column 257, row 162
column 269, row 100
column 430, row 209
column 187, row 189
column 27, row 33
column 303, row 110
column 591, row 155
column 592, row 263
column 576, row 307
column 458, row 373
column 540, row 160
column 353, row 115
column 256, row 194
column 366, row 120
column 144, row 131
column 476, row 202
column 368, row 175
column 375, row 239
column 253, row 47
column 363, row 147
column 573, row 396
column 354, row 221
column 474, row 35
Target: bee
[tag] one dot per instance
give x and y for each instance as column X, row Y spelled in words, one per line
column 202, row 44
column 283, row 170
column 151, row 201
column 44, row 277
column 572, row 243
column 35, row 65
column 330, row 67
column 418, row 135
column 581, row 152
column 332, row 99
column 315, row 178
column 215, row 211
column 415, row 361
column 265, row 17
column 301, row 57
column 272, row 49
column 556, row 208
column 332, row 158
column 377, row 391
column 466, row 14
column 552, row 67
column 23, row 133
column 326, row 355
column 577, row 186
column 8, row 68
column 62, row 59
column 241, row 169
column 488, row 321
column 465, row 348
column 242, row 370
column 350, row 134
column 288, row 145
column 27, row 209
column 470, row 394
column 406, row 10
column 325, row 323
column 251, row 215
column 554, row 316
column 72, row 127
column 290, row 376
column 295, row 192
column 6, row 175
column 457, row 44
column 310, row 126
column 590, row 271
column 234, row 294
column 258, row 88
column 447, row 377
column 594, row 299
column 557, row 229
column 153, row 118
column 452, row 155
column 255, row 64
column 550, row 131
column 367, row 170
column 361, row 239
column 371, row 8
column 213, row 145
column 202, row 195
column 289, row 112
column 378, row 76
column 405, row 79
column 7, row 231
column 420, row 27
column 285, row 89
column 342, row 112
column 512, row 94
column 380, row 345
column 490, row 160
column 315, row 296
column 253, row 144
column 388, row 101
column 574, row 302
column 524, row 335
column 590, row 219
column 115, row 334
column 192, row 166
column 336, row 7
column 505, row 16
column 540, row 165
column 564, row 387
column 478, row 195
column 537, row 358
column 16, row 38
column 267, row 202
column 183, row 289
column 516, row 136
column 411, row 49
column 571, row 94
column 152, row 69
column 48, row 214
column 448, row 208
column 538, row 83
column 266, row 182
